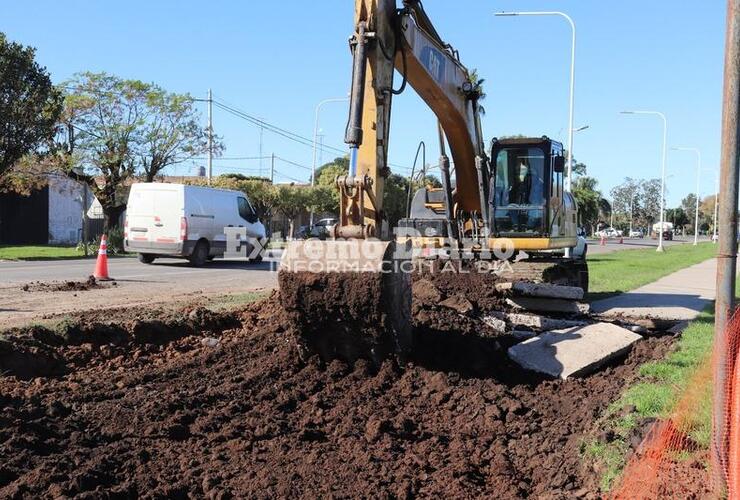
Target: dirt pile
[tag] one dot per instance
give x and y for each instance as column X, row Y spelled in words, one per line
column 66, row 286
column 230, row 409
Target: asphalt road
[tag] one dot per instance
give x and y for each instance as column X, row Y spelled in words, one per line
column 613, row 245
column 136, row 284
column 129, row 269
column 167, row 280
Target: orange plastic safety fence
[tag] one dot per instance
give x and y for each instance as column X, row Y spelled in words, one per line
column 665, row 465
column 669, row 462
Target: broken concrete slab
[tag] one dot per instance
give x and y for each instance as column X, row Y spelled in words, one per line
column 498, row 325
column 459, row 304
column 539, row 322
column 573, row 352
column 548, row 305
column 543, row 290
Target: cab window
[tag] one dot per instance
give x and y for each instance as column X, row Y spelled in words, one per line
column 246, row 211
column 520, row 191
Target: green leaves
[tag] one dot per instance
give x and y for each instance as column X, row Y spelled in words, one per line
column 29, row 103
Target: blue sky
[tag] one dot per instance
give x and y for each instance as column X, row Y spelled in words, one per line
column 277, row 60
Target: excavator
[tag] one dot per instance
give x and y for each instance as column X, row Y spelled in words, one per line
column 349, row 296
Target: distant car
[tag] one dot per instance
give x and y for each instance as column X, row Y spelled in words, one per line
column 609, row 232
column 636, row 233
column 321, row 228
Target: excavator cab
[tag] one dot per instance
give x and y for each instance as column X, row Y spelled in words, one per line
column 528, row 199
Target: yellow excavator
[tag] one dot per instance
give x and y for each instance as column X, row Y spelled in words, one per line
column 350, row 296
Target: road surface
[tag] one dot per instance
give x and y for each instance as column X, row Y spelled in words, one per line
column 613, row 245
column 166, row 280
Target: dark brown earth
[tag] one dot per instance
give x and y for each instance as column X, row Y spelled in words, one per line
column 222, row 405
column 64, row 286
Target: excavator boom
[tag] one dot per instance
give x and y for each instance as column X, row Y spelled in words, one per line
column 350, row 296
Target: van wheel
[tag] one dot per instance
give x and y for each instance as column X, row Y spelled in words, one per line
column 146, row 258
column 200, row 254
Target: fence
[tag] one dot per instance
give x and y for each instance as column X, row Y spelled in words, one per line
column 666, row 465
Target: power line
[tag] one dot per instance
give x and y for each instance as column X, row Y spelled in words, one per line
column 293, row 163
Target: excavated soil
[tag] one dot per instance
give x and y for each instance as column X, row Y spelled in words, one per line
column 65, row 286
column 222, row 405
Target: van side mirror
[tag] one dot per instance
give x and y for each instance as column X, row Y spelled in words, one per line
column 558, row 164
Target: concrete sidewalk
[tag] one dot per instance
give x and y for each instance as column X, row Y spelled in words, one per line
column 678, row 296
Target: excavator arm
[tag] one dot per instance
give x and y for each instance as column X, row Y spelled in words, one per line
column 404, row 39
column 350, row 296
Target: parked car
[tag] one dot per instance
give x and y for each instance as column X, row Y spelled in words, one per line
column 321, row 228
column 176, row 220
column 609, row 232
column 636, row 233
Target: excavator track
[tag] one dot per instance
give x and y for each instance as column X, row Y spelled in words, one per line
column 558, row 271
column 348, row 299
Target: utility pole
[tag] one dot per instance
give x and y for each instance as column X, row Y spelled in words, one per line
column 84, row 218
column 611, row 215
column 210, row 136
column 727, row 251
column 321, row 147
column 261, row 133
column 632, row 211
column 272, row 168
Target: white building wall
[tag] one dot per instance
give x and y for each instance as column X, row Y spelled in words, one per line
column 65, row 210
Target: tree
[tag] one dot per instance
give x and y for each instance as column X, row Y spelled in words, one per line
column 29, row 104
column 171, row 133
column 638, row 197
column 323, row 199
column 112, row 129
column 327, row 172
column 587, row 197
column 677, row 216
column 291, row 201
column 688, row 204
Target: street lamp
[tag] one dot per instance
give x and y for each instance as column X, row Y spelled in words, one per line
column 315, row 137
column 698, row 181
column 569, row 177
column 662, row 182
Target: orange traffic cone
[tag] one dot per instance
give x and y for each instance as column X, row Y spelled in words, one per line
column 603, row 241
column 101, row 266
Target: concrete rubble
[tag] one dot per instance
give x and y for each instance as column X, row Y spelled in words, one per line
column 541, row 290
column 575, row 351
column 561, row 306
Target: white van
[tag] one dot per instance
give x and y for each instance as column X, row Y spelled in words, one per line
column 176, row 220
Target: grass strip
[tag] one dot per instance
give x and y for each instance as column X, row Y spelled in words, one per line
column 617, row 272
column 658, row 388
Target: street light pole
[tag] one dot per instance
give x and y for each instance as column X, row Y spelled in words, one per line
column 210, row 136
column 698, row 181
column 662, row 182
column 315, row 138
column 569, row 177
